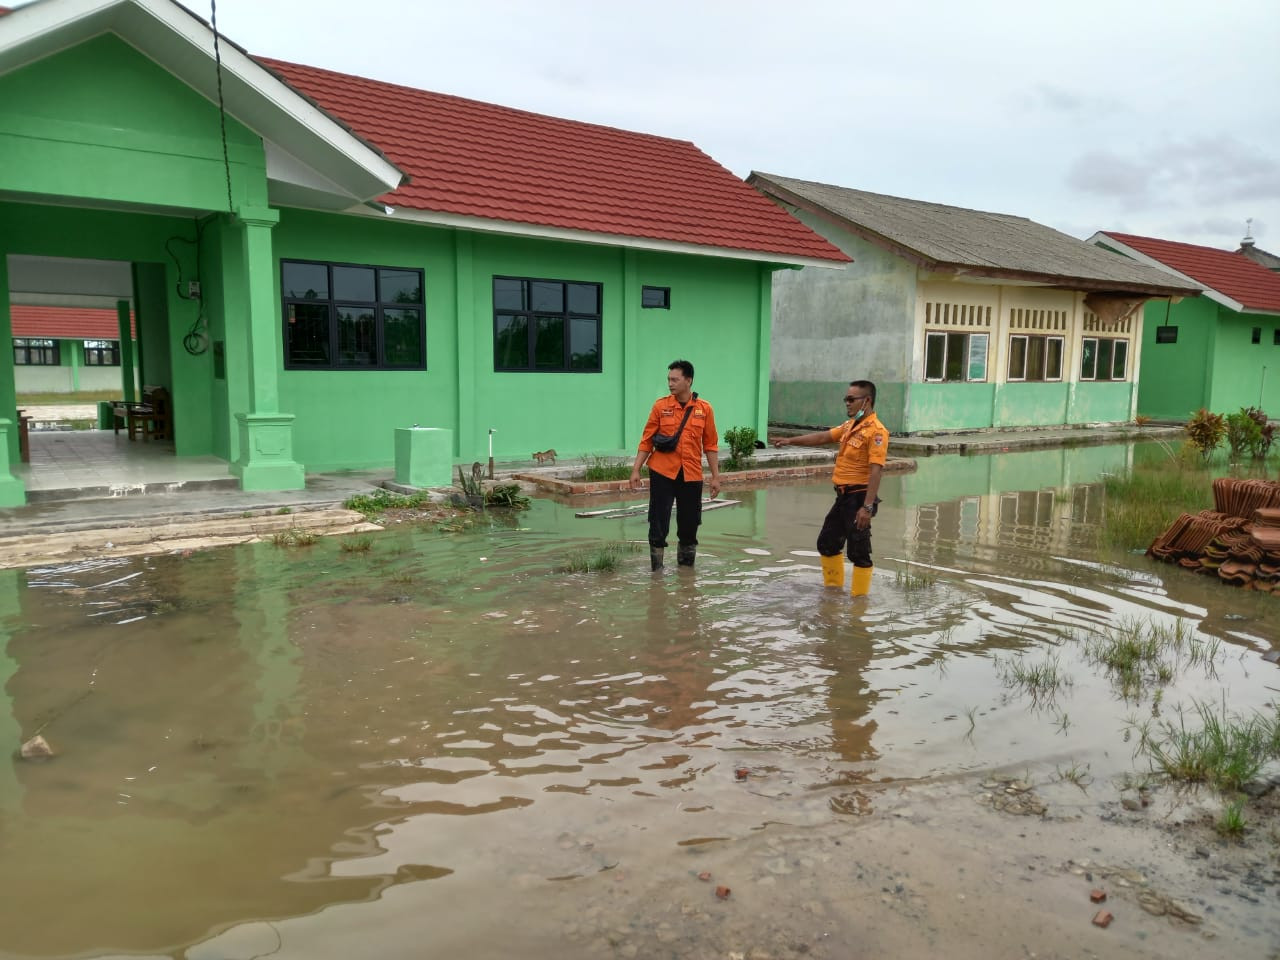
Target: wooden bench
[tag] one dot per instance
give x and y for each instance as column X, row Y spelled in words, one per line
column 152, row 416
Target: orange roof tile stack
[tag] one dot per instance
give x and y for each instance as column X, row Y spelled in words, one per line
column 1239, row 542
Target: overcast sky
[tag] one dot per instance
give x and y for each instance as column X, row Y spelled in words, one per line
column 1158, row 118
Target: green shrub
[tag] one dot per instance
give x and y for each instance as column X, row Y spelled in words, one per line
column 1206, row 430
column 742, row 446
column 1243, row 435
column 600, row 469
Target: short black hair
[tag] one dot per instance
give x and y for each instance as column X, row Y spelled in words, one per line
column 866, row 385
column 686, row 368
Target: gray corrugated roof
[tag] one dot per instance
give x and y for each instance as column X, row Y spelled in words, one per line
column 993, row 243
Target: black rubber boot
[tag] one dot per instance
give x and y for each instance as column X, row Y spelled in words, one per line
column 655, row 558
column 685, row 555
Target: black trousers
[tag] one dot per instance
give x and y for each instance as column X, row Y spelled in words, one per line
column 840, row 529
column 687, row 496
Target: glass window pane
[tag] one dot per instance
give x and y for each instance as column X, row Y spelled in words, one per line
column 1089, row 359
column 400, row 286
column 977, row 356
column 353, row 283
column 402, row 337
column 304, row 281
column 1104, row 359
column 584, row 298
column 1053, row 360
column 549, row 343
column 1017, row 358
column 935, row 353
column 1121, row 360
column 307, row 334
column 1035, row 358
column 546, row 296
column 655, row 297
column 511, row 343
column 357, row 337
column 584, row 343
column 955, row 357
column 508, row 294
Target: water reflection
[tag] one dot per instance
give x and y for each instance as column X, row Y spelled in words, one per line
column 444, row 726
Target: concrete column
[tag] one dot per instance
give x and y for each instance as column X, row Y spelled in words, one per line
column 13, row 492
column 465, row 310
column 126, row 349
column 265, row 460
column 10, row 729
column 633, row 408
column 764, row 313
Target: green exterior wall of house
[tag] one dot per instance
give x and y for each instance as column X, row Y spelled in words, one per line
column 1214, row 364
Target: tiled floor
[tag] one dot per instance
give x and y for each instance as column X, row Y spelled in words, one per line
column 90, row 459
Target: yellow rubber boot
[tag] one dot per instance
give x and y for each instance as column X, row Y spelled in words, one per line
column 860, row 586
column 832, row 571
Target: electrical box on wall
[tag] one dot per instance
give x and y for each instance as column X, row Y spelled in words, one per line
column 193, row 289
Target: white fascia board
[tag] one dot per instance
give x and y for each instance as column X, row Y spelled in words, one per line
column 183, row 45
column 507, row 227
column 1103, row 237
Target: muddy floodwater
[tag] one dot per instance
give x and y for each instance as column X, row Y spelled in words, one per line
column 446, row 746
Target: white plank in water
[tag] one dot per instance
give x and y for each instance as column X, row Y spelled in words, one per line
column 639, row 508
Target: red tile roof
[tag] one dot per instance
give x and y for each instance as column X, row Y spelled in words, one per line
column 475, row 159
column 1231, row 274
column 70, row 323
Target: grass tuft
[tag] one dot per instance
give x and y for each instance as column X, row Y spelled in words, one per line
column 294, row 537
column 1231, row 823
column 1142, row 502
column 357, row 545
column 1041, row 681
column 1226, row 752
column 603, row 558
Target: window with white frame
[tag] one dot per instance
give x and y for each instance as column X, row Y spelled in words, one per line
column 955, row 357
column 1033, row 358
column 1104, row 359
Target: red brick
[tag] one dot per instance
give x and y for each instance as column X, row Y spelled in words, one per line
column 1102, row 919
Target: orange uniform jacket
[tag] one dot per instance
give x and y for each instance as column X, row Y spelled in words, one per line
column 862, row 443
column 699, row 435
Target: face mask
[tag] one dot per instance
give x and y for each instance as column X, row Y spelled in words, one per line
column 860, row 414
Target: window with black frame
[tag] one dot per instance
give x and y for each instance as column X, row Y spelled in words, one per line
column 546, row 326
column 102, row 353
column 1104, row 359
column 36, row 352
column 341, row 316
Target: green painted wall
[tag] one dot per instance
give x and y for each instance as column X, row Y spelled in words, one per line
column 1245, row 374
column 346, row 419
column 1092, row 402
column 103, row 123
column 951, row 406
column 1174, row 377
column 1030, row 404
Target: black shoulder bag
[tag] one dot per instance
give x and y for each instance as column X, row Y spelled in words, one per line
column 667, row 442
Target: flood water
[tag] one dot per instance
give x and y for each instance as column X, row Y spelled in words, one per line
column 446, row 746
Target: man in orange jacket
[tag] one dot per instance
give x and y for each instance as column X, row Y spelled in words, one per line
column 864, row 447
column 684, row 426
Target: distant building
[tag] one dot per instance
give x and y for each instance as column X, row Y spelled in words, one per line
column 1220, row 351
column 965, row 320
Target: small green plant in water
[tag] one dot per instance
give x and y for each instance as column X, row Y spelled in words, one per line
column 294, row 537
column 1041, row 681
column 372, row 505
column 915, row 578
column 285, row 511
column 357, row 545
column 1076, row 774
column 1226, row 752
column 507, row 495
column 602, row 558
column 742, row 446
column 1140, row 504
